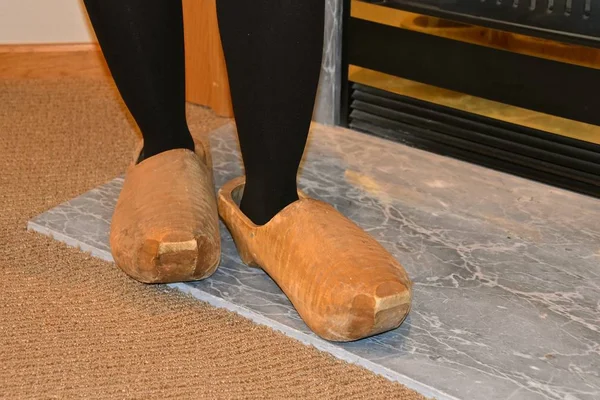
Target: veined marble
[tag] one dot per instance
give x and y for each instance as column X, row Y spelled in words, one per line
column 506, row 271
column 328, row 95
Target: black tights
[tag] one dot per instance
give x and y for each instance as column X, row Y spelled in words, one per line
column 273, row 53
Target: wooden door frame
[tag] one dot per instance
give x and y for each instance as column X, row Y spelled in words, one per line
column 206, row 74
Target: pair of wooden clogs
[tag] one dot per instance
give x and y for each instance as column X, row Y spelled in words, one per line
column 342, row 282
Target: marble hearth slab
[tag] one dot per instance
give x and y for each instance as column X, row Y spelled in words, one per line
column 506, row 271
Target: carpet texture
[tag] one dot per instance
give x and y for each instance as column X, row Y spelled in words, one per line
column 72, row 326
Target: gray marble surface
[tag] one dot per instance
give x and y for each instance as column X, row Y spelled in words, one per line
column 505, row 270
column 328, row 96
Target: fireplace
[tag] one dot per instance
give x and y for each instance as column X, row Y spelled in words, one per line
column 509, row 84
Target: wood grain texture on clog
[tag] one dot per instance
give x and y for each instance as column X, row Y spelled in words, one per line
column 165, row 225
column 342, row 282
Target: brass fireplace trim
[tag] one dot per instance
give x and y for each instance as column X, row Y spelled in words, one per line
column 476, row 105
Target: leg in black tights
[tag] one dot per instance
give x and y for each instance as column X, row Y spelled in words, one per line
column 142, row 42
column 273, row 51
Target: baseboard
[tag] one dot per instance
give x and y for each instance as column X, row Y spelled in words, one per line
column 48, row 47
column 40, row 61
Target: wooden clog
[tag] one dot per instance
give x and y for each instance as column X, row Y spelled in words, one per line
column 165, row 225
column 343, row 283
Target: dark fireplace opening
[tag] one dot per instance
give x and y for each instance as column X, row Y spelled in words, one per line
column 510, row 84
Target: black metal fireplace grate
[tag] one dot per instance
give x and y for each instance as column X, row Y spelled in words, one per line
column 576, row 21
column 547, row 86
column 558, row 160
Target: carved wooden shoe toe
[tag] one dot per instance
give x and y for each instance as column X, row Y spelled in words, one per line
column 342, row 282
column 165, row 225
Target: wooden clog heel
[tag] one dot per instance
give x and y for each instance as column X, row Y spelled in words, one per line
column 343, row 283
column 165, row 225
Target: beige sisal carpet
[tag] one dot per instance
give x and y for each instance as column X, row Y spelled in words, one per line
column 72, row 326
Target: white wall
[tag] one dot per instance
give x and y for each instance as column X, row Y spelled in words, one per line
column 43, row 21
